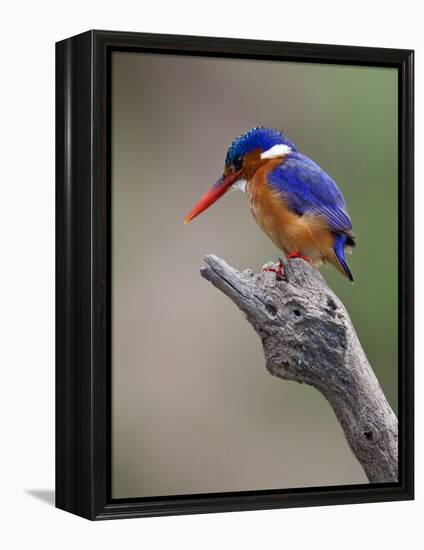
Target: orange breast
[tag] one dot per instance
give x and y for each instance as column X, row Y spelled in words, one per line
column 308, row 235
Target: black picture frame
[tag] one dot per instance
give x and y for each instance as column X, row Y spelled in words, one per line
column 83, row 234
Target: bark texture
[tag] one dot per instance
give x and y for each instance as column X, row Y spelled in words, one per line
column 308, row 337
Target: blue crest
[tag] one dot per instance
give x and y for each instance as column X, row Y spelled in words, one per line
column 256, row 138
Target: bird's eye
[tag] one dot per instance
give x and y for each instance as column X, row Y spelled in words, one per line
column 237, row 163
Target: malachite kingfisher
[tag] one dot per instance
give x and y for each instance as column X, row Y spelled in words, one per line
column 292, row 199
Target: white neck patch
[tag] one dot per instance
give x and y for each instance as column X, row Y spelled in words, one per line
column 276, row 151
column 240, row 185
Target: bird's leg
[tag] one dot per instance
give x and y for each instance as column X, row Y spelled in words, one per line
column 279, row 273
column 297, row 254
column 277, row 269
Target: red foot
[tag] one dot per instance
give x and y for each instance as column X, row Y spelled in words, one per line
column 277, row 269
column 297, row 254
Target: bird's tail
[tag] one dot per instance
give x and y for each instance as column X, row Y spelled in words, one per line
column 340, row 244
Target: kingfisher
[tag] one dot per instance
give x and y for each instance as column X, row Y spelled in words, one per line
column 294, row 201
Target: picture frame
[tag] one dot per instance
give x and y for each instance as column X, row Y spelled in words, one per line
column 83, row 274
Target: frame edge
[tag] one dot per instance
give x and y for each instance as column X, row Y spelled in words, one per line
column 74, row 476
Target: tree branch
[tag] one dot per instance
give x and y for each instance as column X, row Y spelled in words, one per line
column 308, row 337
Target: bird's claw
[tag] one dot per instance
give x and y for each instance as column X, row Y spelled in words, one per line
column 277, row 268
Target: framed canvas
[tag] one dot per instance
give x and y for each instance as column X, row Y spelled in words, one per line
column 163, row 403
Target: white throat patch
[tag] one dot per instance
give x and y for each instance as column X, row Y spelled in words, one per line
column 276, row 151
column 240, row 185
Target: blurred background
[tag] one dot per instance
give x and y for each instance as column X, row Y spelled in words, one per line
column 193, row 407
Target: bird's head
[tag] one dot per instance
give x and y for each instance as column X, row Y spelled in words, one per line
column 248, row 150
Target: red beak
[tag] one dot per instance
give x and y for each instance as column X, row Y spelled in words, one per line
column 212, row 195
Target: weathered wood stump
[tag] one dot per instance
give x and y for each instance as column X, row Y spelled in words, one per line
column 308, row 337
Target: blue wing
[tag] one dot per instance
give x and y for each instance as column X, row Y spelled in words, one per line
column 309, row 190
